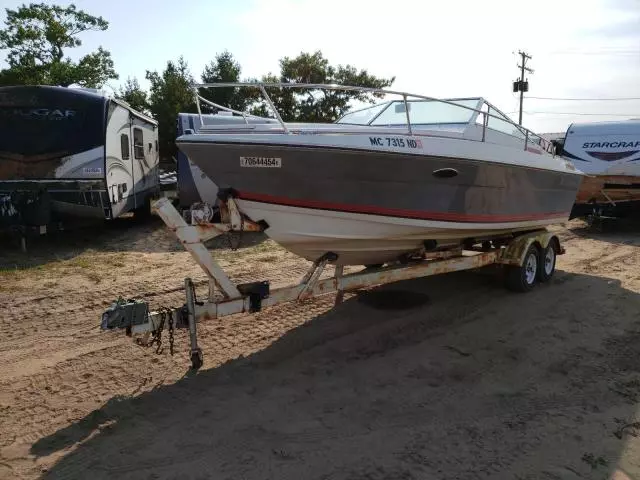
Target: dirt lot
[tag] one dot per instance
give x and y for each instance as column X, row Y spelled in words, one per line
column 438, row 378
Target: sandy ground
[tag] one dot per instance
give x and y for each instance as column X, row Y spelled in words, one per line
column 438, row 378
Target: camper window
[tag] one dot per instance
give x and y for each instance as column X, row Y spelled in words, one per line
column 138, row 144
column 124, row 146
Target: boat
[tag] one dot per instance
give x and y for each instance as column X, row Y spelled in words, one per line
column 608, row 153
column 387, row 182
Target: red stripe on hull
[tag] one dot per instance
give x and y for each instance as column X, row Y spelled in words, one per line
column 394, row 212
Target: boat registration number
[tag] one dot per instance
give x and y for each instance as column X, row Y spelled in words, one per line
column 261, row 162
column 395, row 142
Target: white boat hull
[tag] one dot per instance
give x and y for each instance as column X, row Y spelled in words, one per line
column 363, row 239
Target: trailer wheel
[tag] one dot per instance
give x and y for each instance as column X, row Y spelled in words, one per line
column 547, row 266
column 523, row 278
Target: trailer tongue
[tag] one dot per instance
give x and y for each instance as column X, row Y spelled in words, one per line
column 527, row 258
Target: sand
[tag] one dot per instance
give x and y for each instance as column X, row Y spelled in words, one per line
column 438, row 378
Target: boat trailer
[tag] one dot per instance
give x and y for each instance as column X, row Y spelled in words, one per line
column 528, row 257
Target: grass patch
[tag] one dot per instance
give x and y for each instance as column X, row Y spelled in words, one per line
column 267, row 246
column 15, row 270
column 90, row 264
column 81, row 263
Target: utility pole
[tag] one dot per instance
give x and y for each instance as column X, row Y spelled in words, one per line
column 521, row 85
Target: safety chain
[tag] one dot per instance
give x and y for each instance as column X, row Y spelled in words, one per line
column 171, row 327
column 157, row 334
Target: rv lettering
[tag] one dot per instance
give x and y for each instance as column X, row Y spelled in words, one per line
column 43, row 113
column 620, row 144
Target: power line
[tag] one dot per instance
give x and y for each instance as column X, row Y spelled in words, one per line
column 612, row 99
column 585, row 114
column 595, row 52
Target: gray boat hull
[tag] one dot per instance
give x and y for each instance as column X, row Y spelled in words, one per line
column 372, row 206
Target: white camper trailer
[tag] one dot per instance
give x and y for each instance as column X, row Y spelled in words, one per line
column 609, row 154
column 68, row 153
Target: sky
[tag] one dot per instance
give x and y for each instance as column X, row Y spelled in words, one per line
column 579, row 48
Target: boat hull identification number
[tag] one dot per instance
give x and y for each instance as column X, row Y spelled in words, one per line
column 261, row 162
column 395, row 142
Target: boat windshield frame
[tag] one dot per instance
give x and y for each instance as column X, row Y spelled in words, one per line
column 530, row 138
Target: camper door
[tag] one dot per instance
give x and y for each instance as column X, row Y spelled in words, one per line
column 119, row 146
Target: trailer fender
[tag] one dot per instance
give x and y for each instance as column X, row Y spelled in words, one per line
column 514, row 253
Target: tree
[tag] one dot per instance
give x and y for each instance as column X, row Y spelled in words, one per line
column 314, row 105
column 134, row 95
column 225, row 69
column 37, row 36
column 171, row 92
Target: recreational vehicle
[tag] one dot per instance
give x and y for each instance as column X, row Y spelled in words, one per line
column 70, row 153
column 609, row 154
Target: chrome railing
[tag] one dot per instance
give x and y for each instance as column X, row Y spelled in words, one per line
column 262, row 86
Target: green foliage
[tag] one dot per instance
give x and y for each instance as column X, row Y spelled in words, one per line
column 170, row 93
column 225, row 69
column 134, row 95
column 37, row 36
column 314, row 105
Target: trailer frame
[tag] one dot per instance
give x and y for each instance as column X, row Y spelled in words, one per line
column 528, row 258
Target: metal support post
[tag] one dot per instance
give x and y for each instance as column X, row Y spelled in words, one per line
column 196, row 353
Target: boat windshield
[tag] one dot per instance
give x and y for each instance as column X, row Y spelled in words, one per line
column 421, row 112
column 364, row 115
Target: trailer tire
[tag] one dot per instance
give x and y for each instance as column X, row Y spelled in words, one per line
column 547, row 265
column 522, row 278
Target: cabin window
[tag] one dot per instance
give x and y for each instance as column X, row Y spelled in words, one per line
column 138, row 144
column 124, row 146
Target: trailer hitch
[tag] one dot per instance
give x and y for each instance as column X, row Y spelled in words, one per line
column 125, row 314
column 132, row 313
